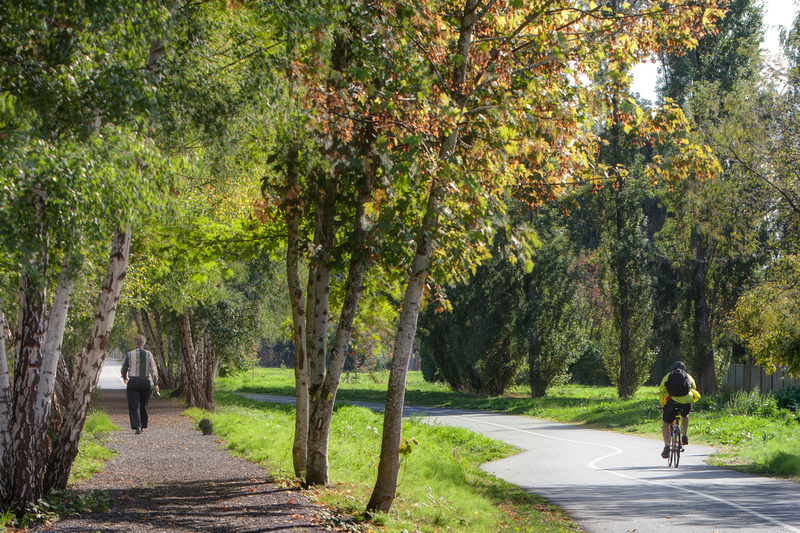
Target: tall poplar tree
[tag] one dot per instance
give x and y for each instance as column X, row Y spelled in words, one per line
column 707, row 74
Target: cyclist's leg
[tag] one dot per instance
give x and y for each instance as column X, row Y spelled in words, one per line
column 668, row 415
column 685, row 409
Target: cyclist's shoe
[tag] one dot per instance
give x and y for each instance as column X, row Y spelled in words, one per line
column 665, row 452
column 685, row 440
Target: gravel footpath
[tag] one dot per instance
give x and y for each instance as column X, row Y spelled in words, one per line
column 173, row 478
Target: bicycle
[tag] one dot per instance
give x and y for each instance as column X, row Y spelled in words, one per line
column 675, row 446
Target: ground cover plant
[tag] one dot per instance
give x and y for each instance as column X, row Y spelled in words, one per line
column 754, row 432
column 441, row 487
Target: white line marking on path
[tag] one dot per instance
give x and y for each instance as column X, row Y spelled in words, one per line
column 618, row 451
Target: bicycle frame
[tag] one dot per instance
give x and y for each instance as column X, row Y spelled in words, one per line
column 675, row 446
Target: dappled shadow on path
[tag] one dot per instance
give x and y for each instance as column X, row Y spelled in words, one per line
column 219, row 505
column 172, row 478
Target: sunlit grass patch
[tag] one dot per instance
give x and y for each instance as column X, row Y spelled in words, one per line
column 754, row 431
column 92, row 453
column 440, row 484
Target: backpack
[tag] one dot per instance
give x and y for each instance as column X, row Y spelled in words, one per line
column 678, row 383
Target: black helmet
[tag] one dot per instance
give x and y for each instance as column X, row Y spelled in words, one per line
column 679, row 364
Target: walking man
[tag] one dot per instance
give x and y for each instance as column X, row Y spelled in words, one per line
column 139, row 372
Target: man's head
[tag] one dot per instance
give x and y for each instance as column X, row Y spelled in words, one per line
column 679, row 364
column 139, row 341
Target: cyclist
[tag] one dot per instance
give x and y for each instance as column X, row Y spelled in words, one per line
column 678, row 392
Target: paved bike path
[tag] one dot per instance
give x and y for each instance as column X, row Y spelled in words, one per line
column 615, row 483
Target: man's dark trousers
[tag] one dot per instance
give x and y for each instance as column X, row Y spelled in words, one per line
column 138, row 395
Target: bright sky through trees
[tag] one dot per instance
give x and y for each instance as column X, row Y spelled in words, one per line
column 778, row 13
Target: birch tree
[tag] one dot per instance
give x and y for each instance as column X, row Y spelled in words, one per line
column 65, row 174
column 87, row 371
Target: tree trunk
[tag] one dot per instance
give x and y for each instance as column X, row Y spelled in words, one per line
column 156, row 343
column 324, row 234
column 63, row 390
column 5, row 416
column 298, row 319
column 88, row 367
column 704, row 350
column 51, row 354
column 28, row 419
column 171, row 359
column 183, row 388
column 621, row 265
column 322, row 408
column 624, row 386
column 538, row 388
column 386, row 484
column 385, row 488
column 191, row 377
column 200, row 364
column 137, row 318
column 211, row 361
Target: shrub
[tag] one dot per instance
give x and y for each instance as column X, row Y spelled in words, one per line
column 788, row 398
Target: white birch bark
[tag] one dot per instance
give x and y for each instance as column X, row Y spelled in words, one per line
column 322, row 409
column 298, row 318
column 5, row 415
column 87, row 369
column 54, row 335
column 385, row 490
column 211, row 365
column 324, row 241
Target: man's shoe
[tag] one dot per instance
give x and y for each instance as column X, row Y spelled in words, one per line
column 685, row 440
column 138, row 431
column 665, row 452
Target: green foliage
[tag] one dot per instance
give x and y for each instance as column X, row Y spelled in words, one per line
column 98, row 422
column 766, row 316
column 589, row 368
column 788, row 398
column 474, row 343
column 744, row 403
column 554, row 325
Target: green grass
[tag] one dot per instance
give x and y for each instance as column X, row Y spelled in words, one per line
column 92, row 454
column 441, row 487
column 751, row 432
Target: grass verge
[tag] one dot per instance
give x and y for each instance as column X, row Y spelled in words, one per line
column 751, row 433
column 441, row 487
column 92, row 454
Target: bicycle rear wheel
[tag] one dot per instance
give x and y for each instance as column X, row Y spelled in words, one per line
column 675, row 446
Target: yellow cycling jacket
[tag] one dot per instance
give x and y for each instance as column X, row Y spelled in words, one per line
column 692, row 397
